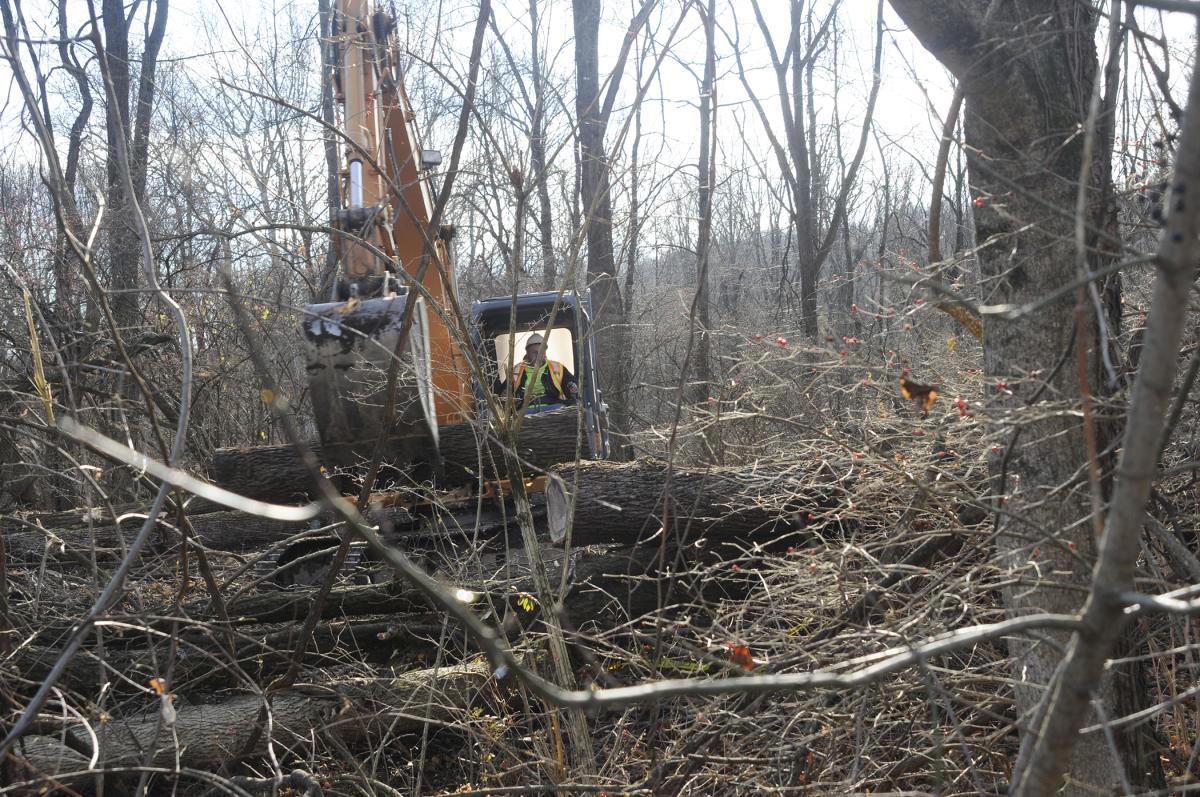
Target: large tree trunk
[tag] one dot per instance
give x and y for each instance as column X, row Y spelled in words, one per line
column 207, row 734
column 608, row 502
column 276, row 473
column 131, row 124
column 594, row 184
column 374, row 639
column 1027, row 74
column 221, row 531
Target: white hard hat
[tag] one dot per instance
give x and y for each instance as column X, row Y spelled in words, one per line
column 534, row 340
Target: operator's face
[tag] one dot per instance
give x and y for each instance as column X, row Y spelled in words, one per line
column 532, row 352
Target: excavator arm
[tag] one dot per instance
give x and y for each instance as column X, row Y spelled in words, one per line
column 380, row 358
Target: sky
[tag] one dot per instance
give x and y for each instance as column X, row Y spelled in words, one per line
column 205, row 35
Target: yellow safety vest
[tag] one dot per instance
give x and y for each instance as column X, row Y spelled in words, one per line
column 556, row 377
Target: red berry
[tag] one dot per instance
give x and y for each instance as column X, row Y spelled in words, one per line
column 854, row 308
column 920, row 302
column 978, row 202
column 781, row 341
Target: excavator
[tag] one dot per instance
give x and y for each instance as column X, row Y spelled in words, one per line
column 389, row 357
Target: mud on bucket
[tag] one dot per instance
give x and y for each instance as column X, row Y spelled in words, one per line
column 349, row 348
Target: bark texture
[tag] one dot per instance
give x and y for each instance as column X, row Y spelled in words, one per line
column 222, row 531
column 276, row 473
column 633, row 502
column 1027, row 72
column 203, row 735
column 1114, row 582
column 133, row 125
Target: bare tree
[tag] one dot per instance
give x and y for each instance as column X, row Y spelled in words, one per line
column 1025, row 158
column 807, row 180
column 702, row 309
column 593, row 112
column 130, row 123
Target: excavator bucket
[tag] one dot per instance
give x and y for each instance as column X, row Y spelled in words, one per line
column 351, row 349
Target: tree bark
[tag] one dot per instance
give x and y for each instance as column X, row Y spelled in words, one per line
column 1026, row 72
column 275, row 473
column 594, row 186
column 222, row 531
column 702, row 313
column 206, row 734
column 292, row 606
column 633, row 502
column 537, row 154
column 1113, row 584
column 268, row 653
column 132, row 125
column 330, row 141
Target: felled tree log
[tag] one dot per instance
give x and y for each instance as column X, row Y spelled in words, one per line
column 210, row 733
column 263, row 650
column 221, row 531
column 608, row 585
column 547, row 439
column 96, row 516
column 277, row 474
column 630, row 502
column 293, row 606
column 267, row 473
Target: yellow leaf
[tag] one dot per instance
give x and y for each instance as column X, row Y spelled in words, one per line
column 951, row 344
column 158, row 685
column 39, row 375
column 263, row 435
column 266, row 313
column 267, row 395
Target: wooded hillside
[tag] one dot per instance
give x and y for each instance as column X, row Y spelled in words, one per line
column 893, row 314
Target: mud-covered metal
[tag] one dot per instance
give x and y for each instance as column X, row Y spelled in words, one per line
column 349, row 347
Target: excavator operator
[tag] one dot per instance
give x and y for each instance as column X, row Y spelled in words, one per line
column 552, row 384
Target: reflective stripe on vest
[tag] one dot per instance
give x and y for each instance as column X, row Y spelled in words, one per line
column 556, row 377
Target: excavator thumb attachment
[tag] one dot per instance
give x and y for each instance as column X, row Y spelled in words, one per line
column 349, row 348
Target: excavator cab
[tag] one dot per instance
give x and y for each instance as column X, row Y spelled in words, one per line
column 502, row 324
